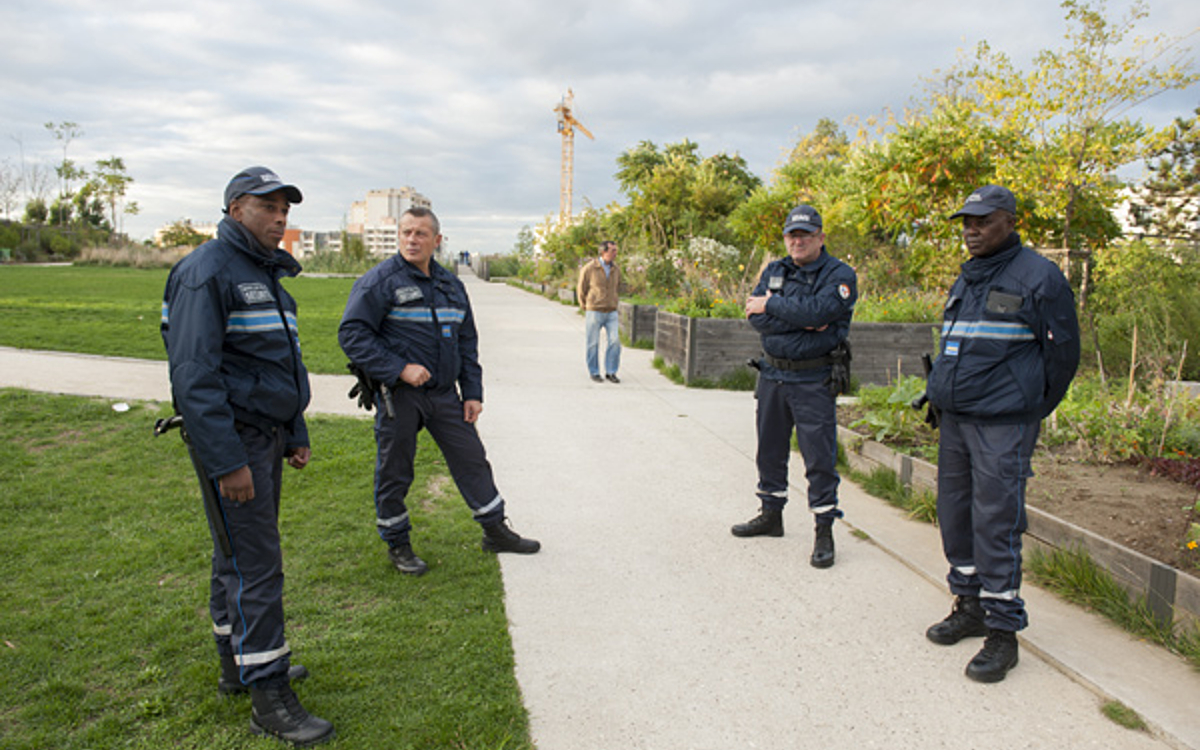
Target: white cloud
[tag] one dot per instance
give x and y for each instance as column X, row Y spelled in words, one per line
column 456, row 98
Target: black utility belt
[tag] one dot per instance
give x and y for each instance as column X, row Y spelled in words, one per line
column 798, row 364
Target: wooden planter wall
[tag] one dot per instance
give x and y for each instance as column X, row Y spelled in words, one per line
column 711, row 348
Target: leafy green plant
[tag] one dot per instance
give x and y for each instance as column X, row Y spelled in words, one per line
column 1113, row 423
column 890, row 417
column 906, row 306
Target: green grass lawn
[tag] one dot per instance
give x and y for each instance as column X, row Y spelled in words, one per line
column 116, row 312
column 105, row 640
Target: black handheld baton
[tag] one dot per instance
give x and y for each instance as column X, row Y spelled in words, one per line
column 212, row 503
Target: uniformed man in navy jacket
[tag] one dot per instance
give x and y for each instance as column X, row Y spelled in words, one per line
column 801, row 307
column 237, row 379
column 1009, row 349
column 408, row 327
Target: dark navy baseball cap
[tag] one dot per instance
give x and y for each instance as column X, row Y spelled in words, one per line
column 987, row 199
column 802, row 217
column 259, row 181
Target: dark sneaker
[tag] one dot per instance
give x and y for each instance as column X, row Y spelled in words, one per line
column 277, row 712
column 230, row 683
column 769, row 522
column 597, row 379
column 499, row 537
column 406, row 561
column 822, row 554
column 612, row 378
column 964, row 621
column 998, row 655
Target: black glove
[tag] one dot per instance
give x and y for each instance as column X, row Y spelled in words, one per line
column 364, row 389
column 838, row 380
column 933, row 415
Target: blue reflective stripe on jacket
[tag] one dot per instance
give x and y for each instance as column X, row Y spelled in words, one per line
column 1010, row 339
column 230, row 331
column 396, row 315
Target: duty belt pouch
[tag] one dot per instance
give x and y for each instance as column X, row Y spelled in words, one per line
column 839, row 376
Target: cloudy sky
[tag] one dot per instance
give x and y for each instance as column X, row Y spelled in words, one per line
column 456, row 99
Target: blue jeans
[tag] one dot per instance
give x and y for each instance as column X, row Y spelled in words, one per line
column 612, row 353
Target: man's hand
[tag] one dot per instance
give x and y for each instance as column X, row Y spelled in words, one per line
column 415, row 375
column 297, row 458
column 471, row 411
column 757, row 305
column 237, row 485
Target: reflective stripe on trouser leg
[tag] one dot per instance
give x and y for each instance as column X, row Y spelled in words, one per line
column 247, row 592
column 465, row 457
column 954, row 508
column 814, row 411
column 396, row 448
column 773, row 422
column 988, row 519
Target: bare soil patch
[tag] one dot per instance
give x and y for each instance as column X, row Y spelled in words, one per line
column 1123, row 503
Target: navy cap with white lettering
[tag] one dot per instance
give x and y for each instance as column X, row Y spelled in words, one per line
column 987, row 199
column 259, row 181
column 803, row 218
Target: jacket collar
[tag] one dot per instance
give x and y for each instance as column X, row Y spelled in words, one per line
column 816, row 265
column 979, row 269
column 239, row 237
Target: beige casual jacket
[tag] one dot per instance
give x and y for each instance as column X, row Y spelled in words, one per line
column 595, row 290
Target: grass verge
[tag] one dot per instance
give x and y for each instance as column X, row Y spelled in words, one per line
column 1073, row 575
column 105, row 640
column 116, row 312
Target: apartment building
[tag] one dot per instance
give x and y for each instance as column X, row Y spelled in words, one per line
column 377, row 219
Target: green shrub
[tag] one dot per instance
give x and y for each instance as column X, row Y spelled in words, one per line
column 904, row 306
column 1152, row 288
column 1111, row 424
column 503, row 265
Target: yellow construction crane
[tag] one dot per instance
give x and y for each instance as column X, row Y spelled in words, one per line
column 567, row 124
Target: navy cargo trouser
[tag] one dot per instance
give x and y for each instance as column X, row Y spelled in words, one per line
column 811, row 411
column 396, row 441
column 982, row 471
column 246, row 595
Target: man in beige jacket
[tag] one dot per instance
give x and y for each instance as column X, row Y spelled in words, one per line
column 599, row 280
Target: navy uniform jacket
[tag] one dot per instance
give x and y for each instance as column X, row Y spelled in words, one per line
column 1010, row 339
column 396, row 315
column 230, row 332
column 819, row 295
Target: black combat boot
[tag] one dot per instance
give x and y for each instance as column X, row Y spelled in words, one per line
column 964, row 621
column 499, row 537
column 406, row 561
column 230, row 682
column 277, row 712
column 822, row 554
column 768, row 522
column 998, row 655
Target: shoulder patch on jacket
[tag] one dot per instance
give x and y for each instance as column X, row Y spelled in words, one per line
column 844, row 291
